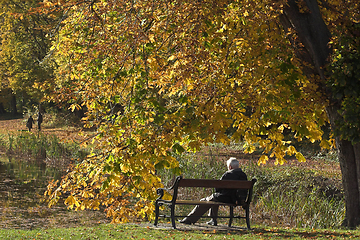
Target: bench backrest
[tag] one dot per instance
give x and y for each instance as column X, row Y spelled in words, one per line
column 209, row 183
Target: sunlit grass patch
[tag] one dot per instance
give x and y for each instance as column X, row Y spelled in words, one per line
column 146, row 231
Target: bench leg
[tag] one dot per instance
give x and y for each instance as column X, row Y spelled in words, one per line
column 247, row 212
column 156, row 213
column 231, row 215
column 172, row 211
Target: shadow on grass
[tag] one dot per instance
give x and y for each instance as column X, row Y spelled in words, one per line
column 299, row 233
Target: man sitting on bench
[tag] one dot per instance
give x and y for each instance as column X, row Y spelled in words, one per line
column 221, row 195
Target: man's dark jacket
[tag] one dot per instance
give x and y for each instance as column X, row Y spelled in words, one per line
column 229, row 195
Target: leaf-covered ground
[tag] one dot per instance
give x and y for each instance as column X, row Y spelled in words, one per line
column 19, row 124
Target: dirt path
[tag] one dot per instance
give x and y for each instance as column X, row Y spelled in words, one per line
column 16, row 125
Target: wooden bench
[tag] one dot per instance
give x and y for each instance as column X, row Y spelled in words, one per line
column 203, row 183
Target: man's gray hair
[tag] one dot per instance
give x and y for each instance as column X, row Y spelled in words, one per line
column 233, row 162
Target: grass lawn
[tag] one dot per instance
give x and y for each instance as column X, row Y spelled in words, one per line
column 144, row 231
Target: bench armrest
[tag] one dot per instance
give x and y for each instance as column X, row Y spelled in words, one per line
column 174, row 187
column 250, row 194
column 160, row 192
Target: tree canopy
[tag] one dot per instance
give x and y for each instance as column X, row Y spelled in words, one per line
column 161, row 77
column 24, row 45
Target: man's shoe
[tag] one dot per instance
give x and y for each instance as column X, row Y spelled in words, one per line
column 212, row 222
column 185, row 221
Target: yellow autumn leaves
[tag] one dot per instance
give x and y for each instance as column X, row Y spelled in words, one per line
column 158, row 78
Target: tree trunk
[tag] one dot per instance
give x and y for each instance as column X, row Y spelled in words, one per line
column 13, row 105
column 2, row 109
column 314, row 35
column 349, row 156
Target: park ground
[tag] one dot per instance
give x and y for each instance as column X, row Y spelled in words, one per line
column 145, row 230
column 19, row 124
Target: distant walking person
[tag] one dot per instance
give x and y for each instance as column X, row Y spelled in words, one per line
column 29, row 123
column 39, row 120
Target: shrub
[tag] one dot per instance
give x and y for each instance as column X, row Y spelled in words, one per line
column 42, row 146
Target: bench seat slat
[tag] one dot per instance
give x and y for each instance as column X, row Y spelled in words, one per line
column 190, row 202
